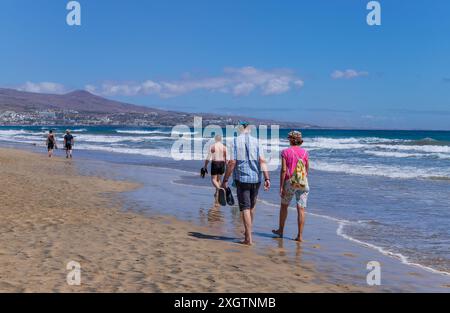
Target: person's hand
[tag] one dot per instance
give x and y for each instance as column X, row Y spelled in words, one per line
column 267, row 185
column 202, row 172
column 281, row 192
column 225, row 184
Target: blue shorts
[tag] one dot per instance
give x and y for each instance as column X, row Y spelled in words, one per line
column 247, row 195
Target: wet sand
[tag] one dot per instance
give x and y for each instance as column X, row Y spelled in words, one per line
column 51, row 215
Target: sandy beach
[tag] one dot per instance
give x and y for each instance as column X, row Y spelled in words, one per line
column 51, row 215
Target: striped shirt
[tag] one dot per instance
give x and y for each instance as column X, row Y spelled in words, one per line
column 246, row 152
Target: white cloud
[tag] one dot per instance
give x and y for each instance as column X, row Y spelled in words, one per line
column 243, row 89
column 43, row 87
column 237, row 81
column 348, row 74
column 90, row 88
column 277, row 86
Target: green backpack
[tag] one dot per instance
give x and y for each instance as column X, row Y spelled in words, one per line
column 299, row 178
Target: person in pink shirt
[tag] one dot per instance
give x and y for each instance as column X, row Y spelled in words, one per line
column 290, row 158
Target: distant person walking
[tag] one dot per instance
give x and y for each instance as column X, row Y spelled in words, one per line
column 217, row 154
column 247, row 166
column 294, row 181
column 51, row 143
column 68, row 144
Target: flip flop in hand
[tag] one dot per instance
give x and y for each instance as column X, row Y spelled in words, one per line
column 230, row 198
column 222, row 197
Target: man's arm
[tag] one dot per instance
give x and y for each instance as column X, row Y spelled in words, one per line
column 231, row 165
column 263, row 164
column 208, row 158
column 225, row 153
column 230, row 168
column 206, row 164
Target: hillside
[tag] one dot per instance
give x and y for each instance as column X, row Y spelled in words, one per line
column 82, row 107
column 79, row 100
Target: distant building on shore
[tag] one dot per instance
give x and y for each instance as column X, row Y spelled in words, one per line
column 47, row 114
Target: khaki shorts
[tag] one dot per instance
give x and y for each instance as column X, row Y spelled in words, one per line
column 301, row 195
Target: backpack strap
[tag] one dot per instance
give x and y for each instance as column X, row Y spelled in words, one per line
column 298, row 159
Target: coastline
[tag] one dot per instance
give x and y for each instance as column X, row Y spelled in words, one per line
column 342, row 237
column 52, row 215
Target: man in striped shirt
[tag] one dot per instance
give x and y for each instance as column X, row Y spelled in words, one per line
column 247, row 165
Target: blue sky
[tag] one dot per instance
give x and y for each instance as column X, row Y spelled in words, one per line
column 307, row 61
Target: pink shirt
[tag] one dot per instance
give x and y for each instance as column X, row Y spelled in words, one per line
column 292, row 155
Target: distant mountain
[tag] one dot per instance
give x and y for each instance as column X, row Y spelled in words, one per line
column 90, row 108
column 79, row 100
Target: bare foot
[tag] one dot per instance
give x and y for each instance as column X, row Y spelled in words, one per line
column 299, row 239
column 278, row 232
column 246, row 243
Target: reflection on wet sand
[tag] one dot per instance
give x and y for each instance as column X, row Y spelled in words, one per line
column 236, row 220
column 298, row 253
column 215, row 215
column 212, row 216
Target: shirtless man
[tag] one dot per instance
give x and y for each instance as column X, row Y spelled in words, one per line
column 217, row 154
column 51, row 143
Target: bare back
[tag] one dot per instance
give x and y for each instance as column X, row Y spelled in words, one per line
column 218, row 152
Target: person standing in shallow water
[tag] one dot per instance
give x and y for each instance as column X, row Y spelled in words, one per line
column 68, row 144
column 51, row 143
column 217, row 154
column 247, row 165
column 294, row 160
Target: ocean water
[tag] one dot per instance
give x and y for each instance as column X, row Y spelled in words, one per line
column 386, row 190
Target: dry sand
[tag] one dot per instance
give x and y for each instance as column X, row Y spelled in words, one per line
column 50, row 215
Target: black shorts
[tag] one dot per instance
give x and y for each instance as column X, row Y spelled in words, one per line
column 50, row 146
column 217, row 167
column 247, row 195
column 68, row 146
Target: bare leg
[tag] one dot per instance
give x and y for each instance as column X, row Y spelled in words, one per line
column 282, row 221
column 215, row 180
column 247, row 218
column 301, row 223
column 252, row 213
